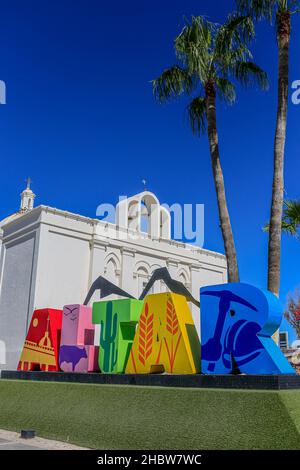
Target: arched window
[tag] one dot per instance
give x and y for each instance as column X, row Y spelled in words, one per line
column 183, row 277
column 145, row 222
column 151, row 209
column 143, row 277
column 165, row 223
column 112, row 269
column 133, row 215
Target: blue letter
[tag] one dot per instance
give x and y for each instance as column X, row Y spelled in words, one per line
column 237, row 322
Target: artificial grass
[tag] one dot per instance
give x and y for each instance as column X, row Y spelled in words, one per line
column 130, row 417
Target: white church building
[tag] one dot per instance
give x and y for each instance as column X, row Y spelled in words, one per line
column 50, row 257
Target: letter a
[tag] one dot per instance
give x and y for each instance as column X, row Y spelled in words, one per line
column 166, row 339
column 40, row 350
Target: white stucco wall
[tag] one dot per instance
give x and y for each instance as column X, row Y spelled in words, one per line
column 63, row 268
column 15, row 300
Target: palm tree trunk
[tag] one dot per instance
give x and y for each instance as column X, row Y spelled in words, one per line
column 232, row 266
column 274, row 249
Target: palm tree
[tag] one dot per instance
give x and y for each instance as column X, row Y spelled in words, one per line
column 209, row 56
column 281, row 10
column 290, row 223
column 291, row 218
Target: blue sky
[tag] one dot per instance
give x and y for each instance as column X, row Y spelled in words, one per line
column 81, row 120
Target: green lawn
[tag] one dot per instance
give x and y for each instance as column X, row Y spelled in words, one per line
column 129, row 417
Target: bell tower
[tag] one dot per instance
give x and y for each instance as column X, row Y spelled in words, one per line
column 27, row 198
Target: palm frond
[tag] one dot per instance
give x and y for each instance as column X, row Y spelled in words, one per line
column 289, row 228
column 197, row 115
column 225, row 89
column 294, row 6
column 290, row 219
column 227, row 60
column 286, row 227
column 250, row 74
column 210, row 54
column 291, row 216
column 193, row 46
column 198, row 31
column 258, row 9
column 171, row 83
column 236, row 31
column 292, row 210
column 284, row 5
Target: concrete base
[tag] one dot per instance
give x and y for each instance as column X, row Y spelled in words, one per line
column 249, row 382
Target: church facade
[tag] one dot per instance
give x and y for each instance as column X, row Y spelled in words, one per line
column 50, row 257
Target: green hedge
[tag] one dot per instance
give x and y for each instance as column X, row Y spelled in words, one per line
column 129, row 417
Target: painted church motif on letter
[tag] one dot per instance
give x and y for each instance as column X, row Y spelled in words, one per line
column 41, row 347
column 166, row 339
column 77, row 350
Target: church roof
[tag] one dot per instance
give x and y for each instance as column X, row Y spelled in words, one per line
column 96, row 222
column 10, row 218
